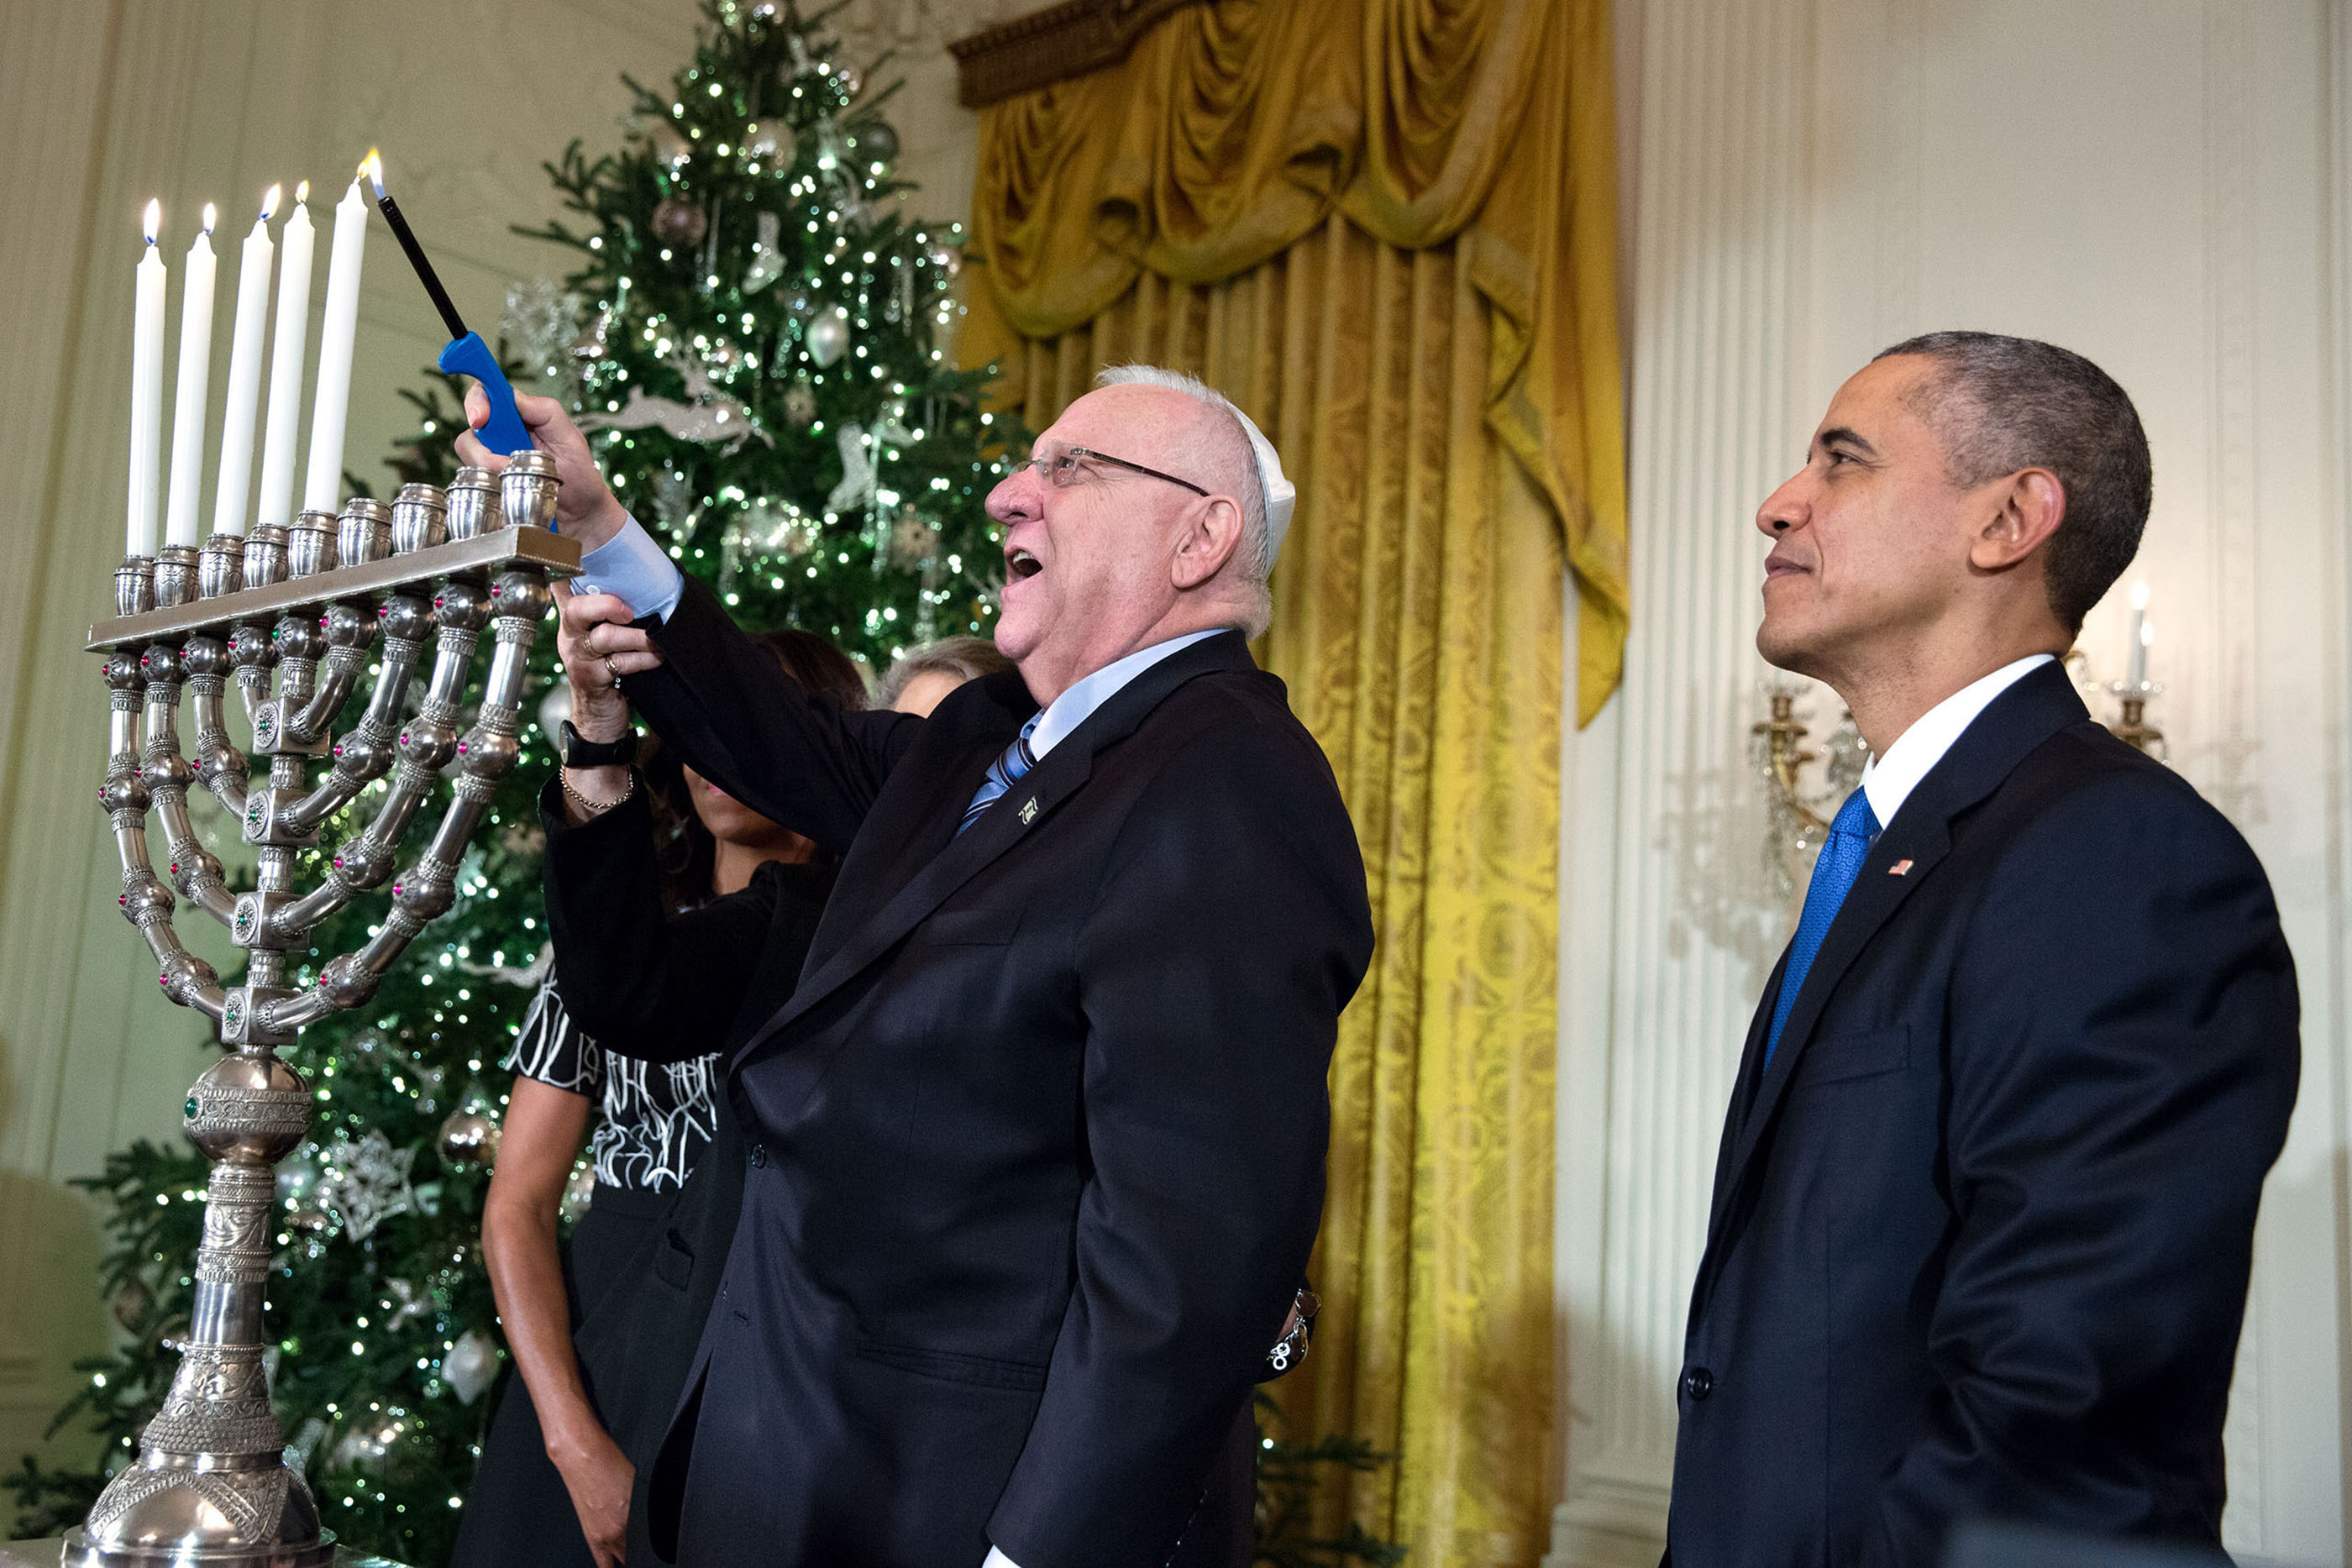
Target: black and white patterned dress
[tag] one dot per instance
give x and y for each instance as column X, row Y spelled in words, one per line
column 657, row 1119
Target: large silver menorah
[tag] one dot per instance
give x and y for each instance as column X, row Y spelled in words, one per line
column 211, row 1486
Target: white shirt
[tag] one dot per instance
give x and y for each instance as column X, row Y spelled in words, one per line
column 1074, row 706
column 1888, row 780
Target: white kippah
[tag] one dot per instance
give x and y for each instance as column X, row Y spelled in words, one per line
column 1281, row 495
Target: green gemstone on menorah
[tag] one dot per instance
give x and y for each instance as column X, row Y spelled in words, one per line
column 192, row 1107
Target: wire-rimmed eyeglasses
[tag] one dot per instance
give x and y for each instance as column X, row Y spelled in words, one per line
column 1069, row 465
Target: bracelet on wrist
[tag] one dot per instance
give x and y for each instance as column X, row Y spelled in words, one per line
column 595, row 808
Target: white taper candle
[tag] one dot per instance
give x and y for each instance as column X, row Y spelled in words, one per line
column 188, row 394
column 146, row 393
column 234, row 483
column 280, row 426
column 323, row 483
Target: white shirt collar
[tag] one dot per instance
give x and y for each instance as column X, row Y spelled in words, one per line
column 1071, row 709
column 1889, row 779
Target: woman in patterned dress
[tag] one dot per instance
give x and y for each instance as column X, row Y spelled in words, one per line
column 603, row 1325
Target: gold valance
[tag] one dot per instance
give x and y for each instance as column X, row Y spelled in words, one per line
column 1236, row 128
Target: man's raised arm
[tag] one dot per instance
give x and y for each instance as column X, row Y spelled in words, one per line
column 705, row 687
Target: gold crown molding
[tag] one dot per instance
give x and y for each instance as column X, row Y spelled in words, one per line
column 1049, row 46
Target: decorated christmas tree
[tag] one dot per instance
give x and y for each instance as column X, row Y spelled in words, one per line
column 757, row 340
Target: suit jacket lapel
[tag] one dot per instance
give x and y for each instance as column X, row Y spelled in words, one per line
column 2038, row 706
column 1030, row 803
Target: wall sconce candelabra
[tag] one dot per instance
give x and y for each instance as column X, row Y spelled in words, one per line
column 1799, row 815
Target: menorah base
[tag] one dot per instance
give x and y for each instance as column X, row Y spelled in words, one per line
column 176, row 1516
column 81, row 1554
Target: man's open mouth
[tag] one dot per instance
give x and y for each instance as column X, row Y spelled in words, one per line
column 1021, row 564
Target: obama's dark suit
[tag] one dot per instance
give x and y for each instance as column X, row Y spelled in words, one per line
column 1036, row 1135
column 1980, row 1231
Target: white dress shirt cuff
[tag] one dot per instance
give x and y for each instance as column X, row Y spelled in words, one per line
column 635, row 569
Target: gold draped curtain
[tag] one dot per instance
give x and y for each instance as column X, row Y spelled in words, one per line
column 1385, row 228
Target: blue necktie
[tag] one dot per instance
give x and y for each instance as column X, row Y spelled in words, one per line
column 1841, row 862
column 1016, row 761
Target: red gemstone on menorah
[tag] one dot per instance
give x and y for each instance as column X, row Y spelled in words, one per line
column 436, row 602
column 175, row 868
column 395, row 890
column 461, row 748
column 382, row 610
column 338, row 748
column 124, row 899
column 339, row 863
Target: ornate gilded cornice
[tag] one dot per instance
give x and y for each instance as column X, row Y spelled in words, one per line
column 1050, row 46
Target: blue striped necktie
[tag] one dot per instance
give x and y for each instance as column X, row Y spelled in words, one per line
column 1842, row 855
column 1016, row 761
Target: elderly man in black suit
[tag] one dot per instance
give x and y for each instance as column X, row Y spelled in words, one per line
column 1985, row 1204
column 1037, row 1136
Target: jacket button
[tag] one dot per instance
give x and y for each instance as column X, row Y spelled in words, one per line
column 1697, row 1384
column 760, row 1155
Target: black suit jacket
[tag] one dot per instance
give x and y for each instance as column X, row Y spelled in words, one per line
column 1039, row 1137
column 1981, row 1232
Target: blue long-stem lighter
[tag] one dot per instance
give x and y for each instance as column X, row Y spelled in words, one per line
column 466, row 353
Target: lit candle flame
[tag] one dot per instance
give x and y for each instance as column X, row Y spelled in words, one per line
column 269, row 201
column 373, row 170
column 2139, row 594
column 301, row 192
column 212, row 216
column 155, row 220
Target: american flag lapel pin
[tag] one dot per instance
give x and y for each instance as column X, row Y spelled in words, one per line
column 1900, row 868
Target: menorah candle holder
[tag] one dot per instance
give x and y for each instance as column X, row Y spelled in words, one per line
column 293, row 616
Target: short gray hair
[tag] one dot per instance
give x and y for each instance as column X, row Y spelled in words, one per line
column 1254, row 558
column 1999, row 404
column 965, row 658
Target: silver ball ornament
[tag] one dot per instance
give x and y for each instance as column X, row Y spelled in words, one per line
column 875, row 143
column 669, row 145
column 467, row 1138
column 554, row 708
column 828, row 336
column 678, row 221
column 469, row 1365
column 771, row 142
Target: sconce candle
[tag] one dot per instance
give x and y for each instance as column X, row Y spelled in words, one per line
column 2140, row 638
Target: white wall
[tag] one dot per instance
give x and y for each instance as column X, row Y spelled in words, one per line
column 2158, row 184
